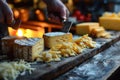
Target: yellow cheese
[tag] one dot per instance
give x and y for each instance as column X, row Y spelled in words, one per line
column 111, row 23
column 96, row 31
column 85, row 28
column 67, row 49
column 100, row 32
column 28, row 49
column 53, row 38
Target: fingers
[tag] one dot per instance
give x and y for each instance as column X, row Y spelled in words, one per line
column 67, row 13
column 64, row 13
column 7, row 12
column 57, row 11
column 53, row 18
column 1, row 16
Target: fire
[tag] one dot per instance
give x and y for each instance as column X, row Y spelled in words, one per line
column 19, row 33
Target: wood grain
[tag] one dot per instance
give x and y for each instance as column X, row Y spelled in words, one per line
column 49, row 71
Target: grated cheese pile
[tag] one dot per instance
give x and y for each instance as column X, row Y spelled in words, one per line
column 67, row 49
column 85, row 42
column 11, row 70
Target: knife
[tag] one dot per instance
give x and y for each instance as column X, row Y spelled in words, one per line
column 15, row 24
column 66, row 26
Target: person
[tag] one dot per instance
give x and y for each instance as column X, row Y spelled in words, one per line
column 56, row 11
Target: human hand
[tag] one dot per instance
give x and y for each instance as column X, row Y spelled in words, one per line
column 6, row 14
column 57, row 11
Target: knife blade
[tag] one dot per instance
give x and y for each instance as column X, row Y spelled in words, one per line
column 66, row 26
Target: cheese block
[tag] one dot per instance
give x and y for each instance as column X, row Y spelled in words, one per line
column 111, row 23
column 7, row 45
column 96, row 31
column 53, row 38
column 85, row 28
column 29, row 48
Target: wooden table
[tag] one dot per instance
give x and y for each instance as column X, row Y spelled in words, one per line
column 102, row 66
column 49, row 71
column 45, row 25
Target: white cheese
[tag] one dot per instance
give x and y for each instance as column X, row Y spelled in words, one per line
column 11, row 70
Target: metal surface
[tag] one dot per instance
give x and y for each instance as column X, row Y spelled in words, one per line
column 66, row 27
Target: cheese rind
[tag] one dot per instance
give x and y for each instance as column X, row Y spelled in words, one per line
column 8, row 44
column 28, row 49
column 53, row 38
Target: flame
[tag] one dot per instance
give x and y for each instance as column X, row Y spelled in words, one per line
column 19, row 33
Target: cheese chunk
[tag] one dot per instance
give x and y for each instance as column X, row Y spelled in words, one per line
column 28, row 49
column 100, row 32
column 7, row 45
column 53, row 38
column 111, row 23
column 85, row 28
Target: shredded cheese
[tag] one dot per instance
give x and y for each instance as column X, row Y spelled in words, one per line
column 67, row 49
column 11, row 70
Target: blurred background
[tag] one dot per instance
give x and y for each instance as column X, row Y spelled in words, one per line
column 83, row 10
column 34, row 12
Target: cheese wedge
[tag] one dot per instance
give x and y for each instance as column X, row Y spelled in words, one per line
column 85, row 28
column 111, row 23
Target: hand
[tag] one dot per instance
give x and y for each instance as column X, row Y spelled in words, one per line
column 56, row 10
column 6, row 14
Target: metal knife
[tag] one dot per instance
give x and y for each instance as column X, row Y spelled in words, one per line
column 66, row 26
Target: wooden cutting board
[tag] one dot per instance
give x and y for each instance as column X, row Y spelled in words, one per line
column 49, row 71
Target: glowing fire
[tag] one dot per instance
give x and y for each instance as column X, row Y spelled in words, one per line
column 19, row 33
column 26, row 32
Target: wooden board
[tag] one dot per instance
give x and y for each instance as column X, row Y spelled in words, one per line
column 103, row 66
column 48, row 71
